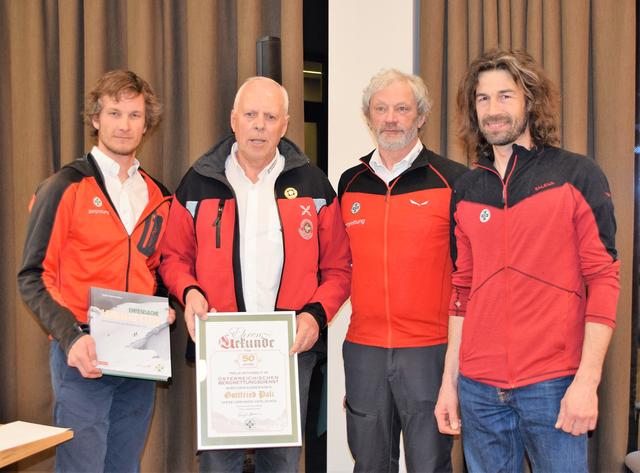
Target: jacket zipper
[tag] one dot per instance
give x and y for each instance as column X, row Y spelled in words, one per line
column 385, row 252
column 284, row 253
column 218, row 223
column 140, row 221
column 505, row 206
column 126, row 281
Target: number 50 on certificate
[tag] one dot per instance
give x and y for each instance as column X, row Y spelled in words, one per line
column 247, row 383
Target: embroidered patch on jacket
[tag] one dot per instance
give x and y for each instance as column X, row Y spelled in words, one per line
column 97, row 202
column 290, row 193
column 306, row 229
column 485, row 215
column 355, row 208
column 306, row 210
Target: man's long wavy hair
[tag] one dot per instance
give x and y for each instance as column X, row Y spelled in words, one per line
column 541, row 97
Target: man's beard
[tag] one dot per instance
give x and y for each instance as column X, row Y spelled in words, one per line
column 504, row 137
column 405, row 138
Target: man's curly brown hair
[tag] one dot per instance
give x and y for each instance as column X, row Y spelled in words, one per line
column 115, row 84
column 542, row 99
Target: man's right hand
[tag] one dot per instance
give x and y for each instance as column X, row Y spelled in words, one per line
column 195, row 305
column 82, row 355
column 446, row 410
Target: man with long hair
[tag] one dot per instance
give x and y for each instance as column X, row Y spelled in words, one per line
column 535, row 282
column 97, row 222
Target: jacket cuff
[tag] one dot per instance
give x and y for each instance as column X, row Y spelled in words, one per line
column 187, row 289
column 458, row 303
column 317, row 311
column 72, row 335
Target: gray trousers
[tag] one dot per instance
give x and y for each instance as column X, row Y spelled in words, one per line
column 268, row 460
column 391, row 390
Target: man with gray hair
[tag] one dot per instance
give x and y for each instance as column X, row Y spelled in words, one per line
column 243, row 206
column 395, row 205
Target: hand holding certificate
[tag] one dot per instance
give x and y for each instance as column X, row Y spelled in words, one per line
column 247, row 383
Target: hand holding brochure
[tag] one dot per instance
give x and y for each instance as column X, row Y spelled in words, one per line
column 131, row 334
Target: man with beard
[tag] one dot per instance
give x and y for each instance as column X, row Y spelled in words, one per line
column 395, row 205
column 97, row 222
column 536, row 278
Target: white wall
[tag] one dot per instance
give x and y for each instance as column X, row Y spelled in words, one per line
column 364, row 37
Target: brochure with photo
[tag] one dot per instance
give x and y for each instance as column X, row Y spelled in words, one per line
column 131, row 334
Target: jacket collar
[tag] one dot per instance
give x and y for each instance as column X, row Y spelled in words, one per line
column 523, row 154
column 87, row 166
column 211, row 164
column 421, row 160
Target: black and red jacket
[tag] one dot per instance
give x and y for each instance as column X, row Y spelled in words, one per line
column 201, row 246
column 76, row 240
column 535, row 260
column 400, row 236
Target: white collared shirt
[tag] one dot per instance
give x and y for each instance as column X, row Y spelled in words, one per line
column 261, row 247
column 129, row 197
column 398, row 168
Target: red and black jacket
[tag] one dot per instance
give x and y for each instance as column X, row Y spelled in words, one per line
column 76, row 240
column 201, row 247
column 400, row 237
column 535, row 260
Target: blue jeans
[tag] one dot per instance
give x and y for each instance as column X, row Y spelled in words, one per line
column 109, row 416
column 498, row 425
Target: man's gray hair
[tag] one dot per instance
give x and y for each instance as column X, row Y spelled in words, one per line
column 285, row 95
column 386, row 77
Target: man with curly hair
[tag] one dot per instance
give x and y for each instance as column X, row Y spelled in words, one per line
column 535, row 282
column 97, row 222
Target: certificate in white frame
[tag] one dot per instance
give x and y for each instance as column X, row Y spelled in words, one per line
column 246, row 381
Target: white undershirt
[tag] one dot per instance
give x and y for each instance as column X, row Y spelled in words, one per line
column 129, row 197
column 261, row 250
column 398, row 168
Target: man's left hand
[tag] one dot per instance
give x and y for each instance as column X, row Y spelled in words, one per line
column 578, row 408
column 307, row 333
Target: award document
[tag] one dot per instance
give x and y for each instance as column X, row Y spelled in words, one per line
column 247, row 383
column 131, row 334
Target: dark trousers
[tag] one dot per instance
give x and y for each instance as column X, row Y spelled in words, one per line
column 268, row 460
column 390, row 390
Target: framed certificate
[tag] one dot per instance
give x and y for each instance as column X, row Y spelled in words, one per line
column 247, row 383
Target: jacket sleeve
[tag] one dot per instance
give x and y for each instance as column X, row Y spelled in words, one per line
column 178, row 248
column 334, row 265
column 38, row 278
column 462, row 265
column 595, row 229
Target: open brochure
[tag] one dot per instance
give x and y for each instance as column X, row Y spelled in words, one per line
column 131, row 334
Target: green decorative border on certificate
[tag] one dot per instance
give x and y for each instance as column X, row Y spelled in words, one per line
column 204, row 440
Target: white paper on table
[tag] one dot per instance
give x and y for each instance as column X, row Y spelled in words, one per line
column 19, row 433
